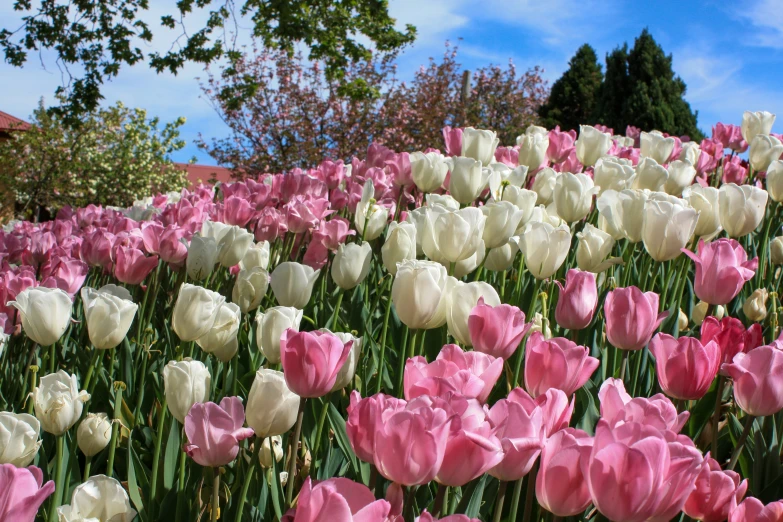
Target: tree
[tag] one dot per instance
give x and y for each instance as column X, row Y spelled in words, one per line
column 100, row 37
column 291, row 114
column 641, row 89
column 573, row 97
column 114, row 156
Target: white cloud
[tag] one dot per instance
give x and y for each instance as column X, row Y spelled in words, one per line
column 767, row 17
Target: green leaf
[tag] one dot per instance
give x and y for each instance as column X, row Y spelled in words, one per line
column 171, row 456
column 338, row 427
column 133, row 487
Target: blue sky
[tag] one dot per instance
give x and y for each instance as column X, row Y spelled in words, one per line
column 730, row 54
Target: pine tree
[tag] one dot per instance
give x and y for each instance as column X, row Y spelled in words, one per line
column 614, row 90
column 573, row 96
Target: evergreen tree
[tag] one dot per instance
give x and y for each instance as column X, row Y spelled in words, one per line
column 573, row 96
column 613, row 92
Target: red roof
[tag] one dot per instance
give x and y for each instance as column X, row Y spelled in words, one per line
column 8, row 122
column 204, row 173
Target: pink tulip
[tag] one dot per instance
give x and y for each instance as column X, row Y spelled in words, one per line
column 685, row 367
column 730, row 136
column 731, row 336
column 132, row 267
column 312, row 360
column 555, row 407
column 716, row 493
column 508, row 156
column 556, row 363
column 753, row 510
column 734, row 171
column 171, row 248
column 41, row 245
column 722, row 267
column 271, row 224
column 65, row 273
column 399, row 167
column 426, row 517
column 520, row 428
column 150, row 236
column 333, row 233
column 332, row 173
column 337, row 500
column 316, row 255
column 636, row 473
column 453, row 139
column 21, row 493
column 560, row 486
column 496, row 330
column 237, row 211
column 214, row 431
column 571, row 164
column 561, row 144
column 577, row 301
column 362, row 415
column 472, row 374
column 97, row 247
column 631, row 317
column 617, row 407
column 758, row 380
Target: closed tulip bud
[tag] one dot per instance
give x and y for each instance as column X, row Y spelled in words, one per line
column 351, row 264
column 682, row 320
column 227, row 352
column 667, row 228
column 257, row 256
column 19, row 438
column 623, row 213
column 58, row 402
column 631, row 317
column 399, row 246
column 468, row 180
column 649, row 176
column 722, row 268
column 195, row 311
column 541, row 325
column 232, row 241
column 479, row 144
column 267, row 449
column 685, row 368
column 755, row 306
column 453, row 236
column 250, row 288
column 612, row 173
column 591, row 145
column 462, row 300
column 533, row 146
column 758, row 380
column 23, row 492
column 270, row 326
column 524, row 199
column 45, row 313
column 202, row 256
column 705, row 200
column 420, row 293
column 428, row 170
column 681, row 175
column 577, row 301
column 755, row 123
column 717, row 493
column 99, row 498
column 271, row 405
column 292, row 283
column 347, row 372
column 544, row 185
column 370, row 218
column 700, row 312
column 763, row 151
column 109, row 313
column 560, row 486
column 502, row 220
column 775, row 180
column 224, row 328
column 312, row 360
column 185, row 383
column 556, row 363
column 654, row 145
column 593, row 248
column 573, row 196
column 753, row 510
column 545, row 248
column 502, row 258
column 496, row 330
column 741, row 208
column 776, row 250
column 94, row 433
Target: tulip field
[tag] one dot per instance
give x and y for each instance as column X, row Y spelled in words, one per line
column 579, row 326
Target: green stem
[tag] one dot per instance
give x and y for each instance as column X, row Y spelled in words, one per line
column 249, row 475
column 91, row 369
column 383, row 337
column 515, row 499
column 118, row 388
column 716, row 415
column 499, row 501
column 401, row 354
column 530, row 313
column 624, row 364
column 156, row 455
column 439, row 497
column 336, row 315
column 31, row 401
column 59, row 479
column 87, row 466
column 741, row 442
column 320, row 430
column 51, row 358
column 181, row 485
column 289, row 493
column 531, row 492
column 412, row 344
column 214, row 511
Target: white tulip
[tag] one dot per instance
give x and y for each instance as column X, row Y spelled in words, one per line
column 612, row 173
column 755, row 123
column 649, row 175
column 428, row 170
column 667, row 228
column 271, row 406
column 479, row 144
column 741, row 208
column 232, row 241
column 763, row 151
column 464, row 297
column 98, row 499
column 542, row 214
column 681, row 175
column 654, row 145
column 623, row 213
column 775, row 180
column 700, row 312
column 185, row 383
column 19, row 442
column 690, row 152
column 418, row 218
column 532, row 147
column 502, row 221
column 265, row 455
column 45, row 313
column 202, row 256
column 468, row 179
column 400, row 245
column 195, row 311
column 250, row 288
column 755, row 306
column 108, row 313
column 292, row 283
column 348, row 370
column 540, row 325
column 776, row 250
column 594, row 247
column 706, row 202
column 58, row 402
column 545, row 248
column 544, row 185
column 370, row 218
column 467, row 266
column 453, row 236
column 525, row 200
column 270, row 326
column 591, row 145
column 573, row 196
column 501, row 176
column 257, row 256
column 227, row 352
column 502, row 258
column 351, row 264
column 94, row 433
column 420, row 293
column 442, row 200
column 224, row 328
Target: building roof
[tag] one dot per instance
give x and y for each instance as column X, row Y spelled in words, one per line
column 8, row 123
column 204, row 173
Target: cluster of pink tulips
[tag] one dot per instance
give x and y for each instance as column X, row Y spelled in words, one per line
column 581, row 325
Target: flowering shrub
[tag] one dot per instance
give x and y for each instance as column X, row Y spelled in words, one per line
column 571, row 324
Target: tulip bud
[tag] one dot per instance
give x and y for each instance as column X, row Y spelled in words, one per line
column 257, row 255
column 681, row 175
column 420, row 293
column 533, row 146
column 573, row 196
column 462, row 300
column 45, row 313
column 270, row 326
column 755, row 306
column 185, row 383
column 612, row 173
column 667, row 228
column 292, row 283
column 442, row 200
column 94, row 433
column 623, row 213
column 705, row 200
column 58, row 402
column 250, row 288
column 560, row 486
column 351, row 264
column 202, row 256
column 758, row 388
column 502, row 258
column 347, row 372
column 775, row 180
column 311, row 361
column 763, row 151
column 577, row 301
column 453, row 236
column 271, row 406
column 502, row 220
column 545, row 248
column 428, row 170
column 755, row 123
column 265, row 455
column 468, row 180
column 682, row 321
column 400, row 245
column 591, row 145
column 26, row 492
column 479, row 144
column 654, row 145
column 741, row 208
column 19, row 442
column 700, row 312
column 631, row 317
column 98, row 498
column 776, row 250
column 685, row 367
column 524, row 199
column 232, row 241
column 109, row 313
column 541, row 325
column 224, row 328
column 594, row 247
column 690, row 152
column 496, row 330
column 544, row 185
column 195, row 311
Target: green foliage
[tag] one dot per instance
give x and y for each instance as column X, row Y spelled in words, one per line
column 99, row 37
column 114, row 156
column 573, row 96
